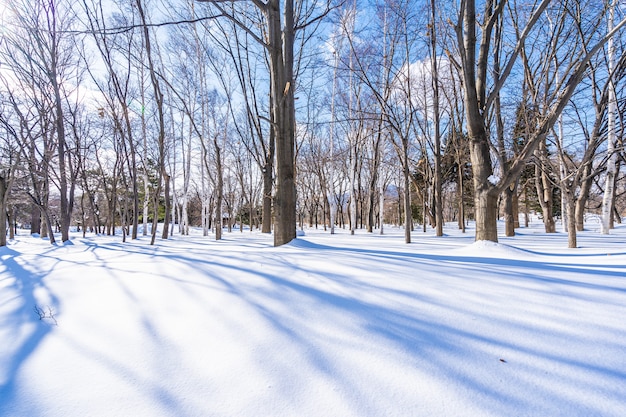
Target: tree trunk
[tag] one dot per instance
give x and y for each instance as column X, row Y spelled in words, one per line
column 515, row 208
column 4, row 192
column 35, row 219
column 381, row 204
column 486, row 213
column 460, row 192
column 437, row 184
column 66, row 203
column 373, row 184
column 283, row 112
column 581, row 201
column 544, row 189
column 12, row 220
column 509, row 222
column 266, row 221
column 219, row 190
column 611, row 165
column 571, row 221
column 353, row 187
column 158, row 94
column 166, row 197
column 485, row 197
column 408, row 217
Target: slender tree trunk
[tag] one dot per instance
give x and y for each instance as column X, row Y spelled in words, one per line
column 146, row 181
column 544, row 188
column 509, row 223
column 4, row 193
column 437, row 184
column 460, row 190
column 381, row 203
column 158, row 94
column 268, row 183
column 516, row 208
column 571, row 220
column 583, row 196
column 373, row 184
column 219, row 190
column 611, row 167
column 408, row 217
column 353, row 191
column 167, row 197
column 12, row 220
column 66, row 203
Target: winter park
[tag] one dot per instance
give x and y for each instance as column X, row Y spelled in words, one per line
column 306, row 208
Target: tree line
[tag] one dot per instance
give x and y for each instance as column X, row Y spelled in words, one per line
column 116, row 116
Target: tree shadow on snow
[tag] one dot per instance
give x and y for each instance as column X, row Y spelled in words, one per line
column 22, row 324
column 415, row 322
column 433, row 344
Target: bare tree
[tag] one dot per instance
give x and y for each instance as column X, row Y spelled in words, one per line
column 474, row 48
column 39, row 51
column 9, row 162
column 164, row 177
column 117, row 90
column 608, row 200
column 282, row 21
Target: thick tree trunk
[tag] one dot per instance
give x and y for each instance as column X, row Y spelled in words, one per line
column 509, row 217
column 485, row 197
column 35, row 219
column 486, row 212
column 283, row 111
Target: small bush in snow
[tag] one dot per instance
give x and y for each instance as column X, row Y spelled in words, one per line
column 46, row 314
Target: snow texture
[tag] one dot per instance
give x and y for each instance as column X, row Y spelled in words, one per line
column 328, row 325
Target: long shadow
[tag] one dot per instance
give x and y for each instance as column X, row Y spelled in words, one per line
column 26, row 282
column 615, row 271
column 427, row 340
column 22, row 321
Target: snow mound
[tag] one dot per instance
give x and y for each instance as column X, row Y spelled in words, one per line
column 488, row 248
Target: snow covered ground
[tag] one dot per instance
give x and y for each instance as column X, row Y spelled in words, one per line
column 337, row 325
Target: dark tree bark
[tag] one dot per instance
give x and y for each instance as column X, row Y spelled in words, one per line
column 4, row 194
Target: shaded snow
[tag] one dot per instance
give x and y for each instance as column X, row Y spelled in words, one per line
column 328, row 325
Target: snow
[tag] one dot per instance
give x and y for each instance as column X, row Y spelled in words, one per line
column 493, row 179
column 328, row 325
